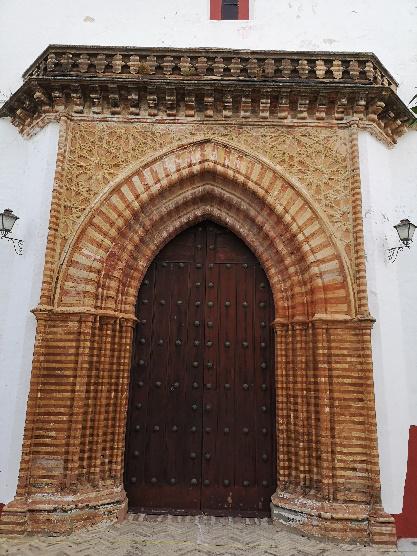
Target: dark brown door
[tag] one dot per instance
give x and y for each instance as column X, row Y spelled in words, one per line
column 200, row 433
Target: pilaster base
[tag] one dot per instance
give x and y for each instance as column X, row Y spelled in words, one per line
column 61, row 515
column 348, row 522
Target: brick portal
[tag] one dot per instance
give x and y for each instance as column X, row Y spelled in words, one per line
column 153, row 141
column 72, row 461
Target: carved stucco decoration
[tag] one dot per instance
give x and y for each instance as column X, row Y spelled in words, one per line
column 318, row 157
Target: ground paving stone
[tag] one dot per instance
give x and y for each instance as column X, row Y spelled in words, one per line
column 183, row 536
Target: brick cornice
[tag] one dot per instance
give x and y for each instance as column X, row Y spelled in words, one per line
column 167, row 84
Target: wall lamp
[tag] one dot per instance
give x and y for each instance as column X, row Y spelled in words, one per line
column 7, row 220
column 405, row 230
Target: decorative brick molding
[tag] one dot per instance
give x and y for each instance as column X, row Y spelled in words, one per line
column 72, row 461
column 145, row 84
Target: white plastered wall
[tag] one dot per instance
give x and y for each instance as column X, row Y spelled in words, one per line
column 384, row 27
column 389, row 189
column 389, row 176
column 26, row 177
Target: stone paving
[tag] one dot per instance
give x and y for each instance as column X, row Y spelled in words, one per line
column 183, row 536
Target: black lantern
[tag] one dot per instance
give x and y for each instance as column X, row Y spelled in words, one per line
column 7, row 221
column 405, row 230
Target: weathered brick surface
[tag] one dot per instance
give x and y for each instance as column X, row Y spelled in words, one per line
column 72, row 462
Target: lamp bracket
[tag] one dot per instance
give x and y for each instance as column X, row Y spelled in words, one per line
column 393, row 252
column 17, row 243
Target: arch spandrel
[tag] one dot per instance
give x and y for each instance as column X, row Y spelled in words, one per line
column 102, row 268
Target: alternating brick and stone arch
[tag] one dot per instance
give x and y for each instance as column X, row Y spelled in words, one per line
column 72, row 462
column 146, row 208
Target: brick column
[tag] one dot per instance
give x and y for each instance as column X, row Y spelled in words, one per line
column 72, row 466
column 327, row 404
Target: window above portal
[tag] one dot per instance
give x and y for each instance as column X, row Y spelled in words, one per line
column 229, row 9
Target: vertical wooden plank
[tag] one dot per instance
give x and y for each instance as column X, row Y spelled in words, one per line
column 137, row 421
column 265, row 385
column 176, row 378
column 195, row 367
column 227, row 366
column 245, row 381
column 172, row 452
column 155, row 468
column 212, row 439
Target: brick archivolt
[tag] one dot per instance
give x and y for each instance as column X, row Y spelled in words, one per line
column 143, row 210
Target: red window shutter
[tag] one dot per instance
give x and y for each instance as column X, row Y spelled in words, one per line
column 216, row 9
column 243, row 9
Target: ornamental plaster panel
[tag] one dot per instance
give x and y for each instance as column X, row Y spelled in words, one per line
column 97, row 152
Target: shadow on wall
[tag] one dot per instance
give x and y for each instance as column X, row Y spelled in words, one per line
column 406, row 522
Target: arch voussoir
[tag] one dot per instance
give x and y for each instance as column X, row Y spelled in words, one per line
column 302, row 246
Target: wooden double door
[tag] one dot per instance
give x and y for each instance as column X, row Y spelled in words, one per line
column 201, row 427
